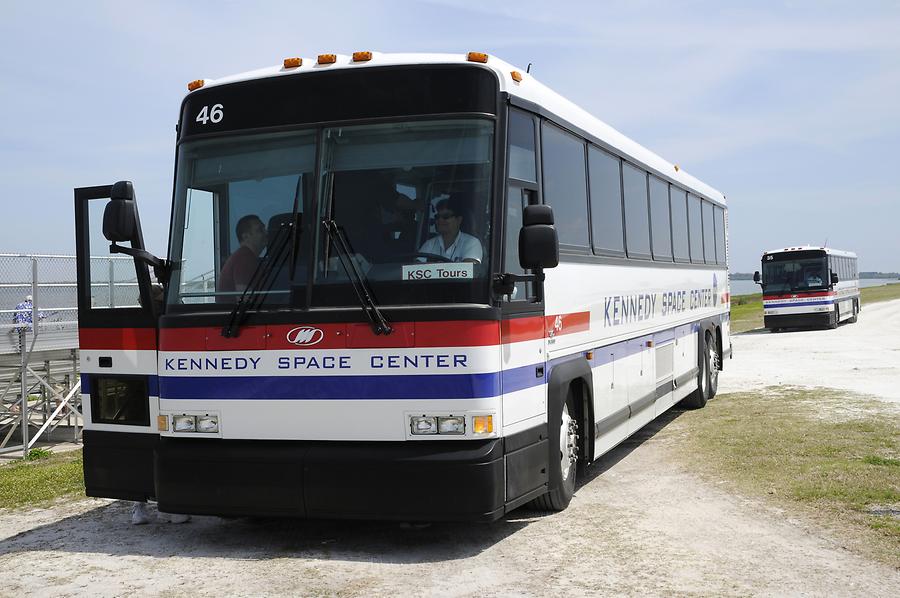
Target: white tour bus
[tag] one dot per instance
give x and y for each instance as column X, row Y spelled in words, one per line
column 808, row 286
column 419, row 287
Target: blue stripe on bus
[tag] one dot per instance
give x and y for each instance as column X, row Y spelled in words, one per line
column 800, row 304
column 280, row 388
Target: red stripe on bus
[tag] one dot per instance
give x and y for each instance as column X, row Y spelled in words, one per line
column 521, row 329
column 117, row 338
column 568, row 323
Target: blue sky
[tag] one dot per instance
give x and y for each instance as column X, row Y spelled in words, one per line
column 792, row 109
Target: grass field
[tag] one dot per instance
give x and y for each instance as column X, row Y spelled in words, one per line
column 747, row 310
column 833, row 456
column 41, row 481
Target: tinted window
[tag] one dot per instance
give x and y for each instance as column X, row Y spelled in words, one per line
column 521, row 146
column 565, row 185
column 637, row 219
column 709, row 234
column 606, row 202
column 660, row 232
column 680, row 225
column 720, row 235
column 696, row 229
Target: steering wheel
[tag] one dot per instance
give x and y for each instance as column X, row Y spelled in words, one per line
column 429, row 257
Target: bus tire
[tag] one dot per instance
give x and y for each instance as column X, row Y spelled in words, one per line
column 836, row 317
column 564, row 459
column 855, row 315
column 698, row 398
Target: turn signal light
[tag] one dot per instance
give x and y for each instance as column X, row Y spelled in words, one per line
column 362, row 56
column 483, row 424
column 516, row 76
column 477, row 57
column 292, row 63
column 327, row 58
column 195, row 84
column 162, row 423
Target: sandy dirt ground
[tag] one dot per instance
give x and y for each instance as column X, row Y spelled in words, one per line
column 863, row 357
column 640, row 524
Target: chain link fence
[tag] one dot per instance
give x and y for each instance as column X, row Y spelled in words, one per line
column 50, row 282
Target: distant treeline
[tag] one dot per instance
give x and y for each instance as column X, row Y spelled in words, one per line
column 868, row 275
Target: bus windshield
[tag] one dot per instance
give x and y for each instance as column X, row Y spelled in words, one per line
column 788, row 275
column 412, row 200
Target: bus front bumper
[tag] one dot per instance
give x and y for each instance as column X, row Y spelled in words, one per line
column 408, row 481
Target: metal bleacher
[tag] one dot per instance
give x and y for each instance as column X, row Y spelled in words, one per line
column 39, row 342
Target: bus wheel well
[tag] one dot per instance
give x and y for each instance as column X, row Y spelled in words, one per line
column 584, row 416
column 718, row 338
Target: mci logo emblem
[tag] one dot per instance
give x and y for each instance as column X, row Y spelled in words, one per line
column 305, row 336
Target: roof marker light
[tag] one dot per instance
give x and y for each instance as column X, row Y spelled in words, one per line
column 516, row 76
column 362, row 56
column 327, row 58
column 292, row 63
column 196, row 84
column 477, row 57
column 677, row 168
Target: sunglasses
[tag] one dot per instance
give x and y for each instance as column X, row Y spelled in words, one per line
column 445, row 215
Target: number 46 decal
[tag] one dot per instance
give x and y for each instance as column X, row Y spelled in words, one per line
column 214, row 114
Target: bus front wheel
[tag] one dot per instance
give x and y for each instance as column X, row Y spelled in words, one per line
column 563, row 459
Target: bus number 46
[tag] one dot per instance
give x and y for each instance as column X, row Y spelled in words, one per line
column 208, row 114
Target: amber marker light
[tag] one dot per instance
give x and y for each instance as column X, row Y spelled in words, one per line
column 362, row 56
column 195, row 84
column 516, row 76
column 483, row 424
column 327, row 58
column 589, row 355
column 162, row 423
column 477, row 57
column 292, row 63
column 676, row 168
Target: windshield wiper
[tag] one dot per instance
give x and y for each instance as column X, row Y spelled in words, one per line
column 260, row 282
column 377, row 320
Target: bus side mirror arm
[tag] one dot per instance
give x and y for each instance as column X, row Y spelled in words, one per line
column 505, row 284
column 161, row 268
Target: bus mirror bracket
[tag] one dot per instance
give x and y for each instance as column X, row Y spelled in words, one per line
column 161, row 267
column 505, row 284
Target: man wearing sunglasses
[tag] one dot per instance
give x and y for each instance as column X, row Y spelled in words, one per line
column 450, row 242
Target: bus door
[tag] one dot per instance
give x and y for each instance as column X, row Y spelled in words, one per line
column 118, row 359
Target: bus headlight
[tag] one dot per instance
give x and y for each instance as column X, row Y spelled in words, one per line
column 184, row 423
column 208, row 424
column 451, row 425
column 423, row 424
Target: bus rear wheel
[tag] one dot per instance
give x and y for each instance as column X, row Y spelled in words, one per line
column 564, row 447
column 855, row 315
column 836, row 317
column 707, row 377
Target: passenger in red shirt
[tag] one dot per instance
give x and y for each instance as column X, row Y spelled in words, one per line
column 239, row 267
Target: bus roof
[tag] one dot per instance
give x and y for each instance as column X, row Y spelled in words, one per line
column 528, row 89
column 827, row 250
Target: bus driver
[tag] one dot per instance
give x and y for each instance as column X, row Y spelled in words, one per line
column 239, row 267
column 450, row 242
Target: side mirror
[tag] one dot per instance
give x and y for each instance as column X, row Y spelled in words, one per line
column 756, row 277
column 834, row 278
column 120, row 215
column 538, row 242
